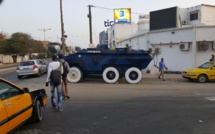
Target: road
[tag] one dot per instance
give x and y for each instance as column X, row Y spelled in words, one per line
column 174, row 106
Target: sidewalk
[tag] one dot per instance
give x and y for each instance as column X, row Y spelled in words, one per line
column 8, row 67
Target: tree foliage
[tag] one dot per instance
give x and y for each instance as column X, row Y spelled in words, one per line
column 20, row 44
column 52, row 50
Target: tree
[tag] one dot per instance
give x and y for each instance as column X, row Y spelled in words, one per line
column 18, row 44
column 52, row 50
column 3, row 36
column 157, row 51
column 38, row 47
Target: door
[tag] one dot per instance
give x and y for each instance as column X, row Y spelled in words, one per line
column 18, row 104
column 211, row 73
column 3, row 119
column 41, row 66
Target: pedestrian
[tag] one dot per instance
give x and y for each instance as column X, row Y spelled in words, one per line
column 212, row 58
column 66, row 68
column 162, row 66
column 55, row 70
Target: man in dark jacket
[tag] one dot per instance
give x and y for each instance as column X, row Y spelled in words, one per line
column 212, row 58
column 64, row 76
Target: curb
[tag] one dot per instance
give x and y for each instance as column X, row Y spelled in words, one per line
column 6, row 70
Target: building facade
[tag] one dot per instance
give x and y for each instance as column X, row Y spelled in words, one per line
column 187, row 40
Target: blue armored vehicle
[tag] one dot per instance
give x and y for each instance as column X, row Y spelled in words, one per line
column 111, row 64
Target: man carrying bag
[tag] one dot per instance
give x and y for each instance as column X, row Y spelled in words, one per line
column 55, row 70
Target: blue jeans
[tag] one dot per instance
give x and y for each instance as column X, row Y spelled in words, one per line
column 59, row 96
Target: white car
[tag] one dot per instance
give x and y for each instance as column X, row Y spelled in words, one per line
column 31, row 67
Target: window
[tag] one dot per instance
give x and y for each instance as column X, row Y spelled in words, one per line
column 39, row 62
column 7, row 90
column 27, row 63
column 194, row 16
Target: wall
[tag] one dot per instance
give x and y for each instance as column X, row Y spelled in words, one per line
column 8, row 58
column 169, row 40
column 208, row 17
column 120, row 32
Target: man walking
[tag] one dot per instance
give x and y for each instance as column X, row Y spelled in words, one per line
column 162, row 66
column 64, row 76
column 55, row 70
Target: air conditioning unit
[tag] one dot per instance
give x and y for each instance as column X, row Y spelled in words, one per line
column 203, row 45
column 213, row 45
column 184, row 46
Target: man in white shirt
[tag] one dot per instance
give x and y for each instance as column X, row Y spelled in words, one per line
column 54, row 65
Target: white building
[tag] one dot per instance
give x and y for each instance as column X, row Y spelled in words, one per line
column 186, row 40
column 119, row 32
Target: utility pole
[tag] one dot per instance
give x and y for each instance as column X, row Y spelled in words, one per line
column 90, row 23
column 44, row 30
column 62, row 29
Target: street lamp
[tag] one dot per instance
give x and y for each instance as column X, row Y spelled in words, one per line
column 44, row 30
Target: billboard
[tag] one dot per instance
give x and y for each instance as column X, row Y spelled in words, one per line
column 165, row 18
column 122, row 15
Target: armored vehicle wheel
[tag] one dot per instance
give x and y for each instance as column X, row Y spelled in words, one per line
column 110, row 75
column 74, row 75
column 133, row 75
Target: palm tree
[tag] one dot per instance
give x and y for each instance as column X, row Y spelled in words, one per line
column 157, row 51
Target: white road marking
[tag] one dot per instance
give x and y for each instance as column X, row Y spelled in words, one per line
column 210, row 98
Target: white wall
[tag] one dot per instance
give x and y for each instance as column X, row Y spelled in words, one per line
column 208, row 17
column 119, row 32
column 8, row 58
column 169, row 40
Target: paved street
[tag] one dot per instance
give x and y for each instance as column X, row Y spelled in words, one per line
column 175, row 106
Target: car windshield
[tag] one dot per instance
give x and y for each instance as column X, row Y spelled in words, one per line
column 27, row 63
column 206, row 65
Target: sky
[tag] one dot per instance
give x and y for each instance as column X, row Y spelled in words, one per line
column 35, row 16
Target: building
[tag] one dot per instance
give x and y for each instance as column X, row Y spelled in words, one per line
column 186, row 36
column 119, row 32
column 103, row 38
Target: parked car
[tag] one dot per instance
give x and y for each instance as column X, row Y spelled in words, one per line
column 31, row 67
column 18, row 105
column 203, row 73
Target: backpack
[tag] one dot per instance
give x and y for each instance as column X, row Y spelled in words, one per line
column 65, row 69
column 55, row 76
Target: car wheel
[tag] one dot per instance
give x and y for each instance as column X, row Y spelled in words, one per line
column 202, row 78
column 37, row 112
column 19, row 77
column 110, row 75
column 39, row 73
column 74, row 75
column 133, row 75
column 45, row 71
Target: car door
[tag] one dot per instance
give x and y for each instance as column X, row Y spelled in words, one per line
column 17, row 104
column 41, row 66
column 211, row 72
column 3, row 118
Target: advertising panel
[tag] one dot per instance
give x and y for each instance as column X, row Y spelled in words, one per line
column 122, row 15
column 165, row 18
